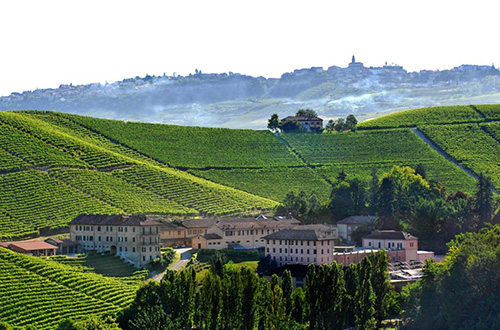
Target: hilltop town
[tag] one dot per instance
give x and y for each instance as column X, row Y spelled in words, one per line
column 220, row 99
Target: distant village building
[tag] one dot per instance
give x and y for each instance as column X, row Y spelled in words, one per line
column 400, row 246
column 244, row 233
column 308, row 244
column 32, row 248
column 135, row 238
column 349, row 225
column 306, row 123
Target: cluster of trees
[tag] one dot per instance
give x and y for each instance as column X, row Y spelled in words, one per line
column 341, row 124
column 301, row 206
column 405, row 200
column 334, row 298
column 463, row 291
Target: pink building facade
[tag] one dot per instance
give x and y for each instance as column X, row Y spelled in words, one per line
column 311, row 244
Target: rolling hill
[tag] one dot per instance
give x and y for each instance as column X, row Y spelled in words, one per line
column 54, row 166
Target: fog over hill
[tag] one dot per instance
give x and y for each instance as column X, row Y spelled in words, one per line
column 239, row 101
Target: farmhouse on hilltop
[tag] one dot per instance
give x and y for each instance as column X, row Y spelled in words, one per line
column 135, row 238
column 306, row 123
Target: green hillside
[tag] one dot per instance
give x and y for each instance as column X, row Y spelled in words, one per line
column 40, row 292
column 356, row 153
column 54, row 166
column 425, row 116
column 196, row 147
column 52, row 169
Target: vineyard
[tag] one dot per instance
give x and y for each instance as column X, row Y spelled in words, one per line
column 357, row 153
column 55, row 166
column 470, row 145
column 41, row 292
column 426, row 116
column 35, row 200
column 273, row 183
column 191, row 191
column 196, row 147
column 119, row 193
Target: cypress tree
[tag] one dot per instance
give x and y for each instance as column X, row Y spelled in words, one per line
column 312, row 292
column 287, row 287
column 365, row 310
column 249, row 299
column 352, row 288
column 380, row 283
column 299, row 306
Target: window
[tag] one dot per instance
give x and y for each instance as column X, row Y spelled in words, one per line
column 143, row 258
column 125, row 238
column 296, row 250
column 285, row 250
column 307, row 253
column 322, row 252
column 314, row 253
column 274, row 250
column 126, row 249
column 111, row 238
column 301, row 251
column 411, row 244
column 120, row 249
column 189, row 232
column 98, row 228
column 281, row 250
column 150, row 249
column 369, row 243
column 379, row 245
column 267, row 250
column 133, row 239
column 133, row 249
column 133, row 229
column 107, row 238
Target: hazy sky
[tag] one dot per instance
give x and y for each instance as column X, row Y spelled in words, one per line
column 46, row 43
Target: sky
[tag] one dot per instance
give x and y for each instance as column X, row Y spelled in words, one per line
column 48, row 43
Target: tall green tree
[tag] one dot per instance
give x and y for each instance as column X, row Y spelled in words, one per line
column 287, row 287
column 308, row 113
column 299, row 306
column 351, row 122
column 330, row 126
column 483, row 199
column 339, row 125
column 365, row 311
column 380, row 284
column 249, row 299
column 274, row 122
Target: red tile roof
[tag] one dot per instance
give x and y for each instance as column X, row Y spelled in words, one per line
column 32, row 246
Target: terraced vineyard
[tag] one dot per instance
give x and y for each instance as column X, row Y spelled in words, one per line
column 426, row 116
column 188, row 190
column 119, row 193
column 357, row 153
column 273, row 183
column 470, row 145
column 34, row 200
column 41, row 292
column 196, row 147
column 55, row 166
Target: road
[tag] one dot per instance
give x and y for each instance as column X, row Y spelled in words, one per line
column 185, row 254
